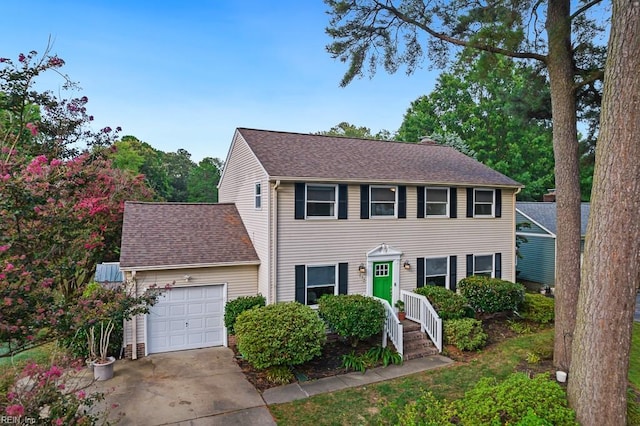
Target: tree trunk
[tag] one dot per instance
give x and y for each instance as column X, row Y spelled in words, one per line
column 598, row 379
column 565, row 148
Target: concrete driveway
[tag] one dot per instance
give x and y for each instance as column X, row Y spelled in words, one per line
column 195, row 387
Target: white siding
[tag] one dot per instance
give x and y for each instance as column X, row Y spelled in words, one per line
column 334, row 241
column 241, row 172
column 240, row 280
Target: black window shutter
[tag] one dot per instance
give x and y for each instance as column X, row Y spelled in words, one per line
column 343, row 278
column 364, row 201
column 469, row 265
column 420, row 272
column 300, row 278
column 498, row 202
column 420, row 193
column 402, row 202
column 453, row 203
column 498, row 265
column 469, row 202
column 299, row 196
column 342, row 201
column 453, row 275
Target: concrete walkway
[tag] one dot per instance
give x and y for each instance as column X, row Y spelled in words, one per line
column 303, row 390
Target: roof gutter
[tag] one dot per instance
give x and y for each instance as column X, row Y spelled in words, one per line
column 188, row 266
column 289, row 179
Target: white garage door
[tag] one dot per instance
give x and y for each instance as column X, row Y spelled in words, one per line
column 187, row 318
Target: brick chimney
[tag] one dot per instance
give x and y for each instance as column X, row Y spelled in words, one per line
column 550, row 197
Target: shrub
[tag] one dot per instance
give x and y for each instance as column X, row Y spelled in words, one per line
column 465, row 334
column 426, row 410
column 448, row 304
column 518, row 398
column 537, row 308
column 354, row 317
column 280, row 375
column 491, row 294
column 281, row 334
column 238, row 306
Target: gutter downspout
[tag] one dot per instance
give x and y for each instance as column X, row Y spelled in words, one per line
column 273, row 258
column 134, row 325
column 513, row 244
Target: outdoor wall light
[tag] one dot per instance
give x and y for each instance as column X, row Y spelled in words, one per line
column 406, row 265
column 362, row 269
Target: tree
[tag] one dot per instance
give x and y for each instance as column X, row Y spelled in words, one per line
column 498, row 108
column 352, row 131
column 202, row 185
column 369, row 32
column 598, row 380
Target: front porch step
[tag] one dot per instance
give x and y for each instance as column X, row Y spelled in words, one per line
column 416, row 344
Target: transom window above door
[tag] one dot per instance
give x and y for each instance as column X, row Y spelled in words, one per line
column 321, row 200
column 382, row 270
column 383, row 201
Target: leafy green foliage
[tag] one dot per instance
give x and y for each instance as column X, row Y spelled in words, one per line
column 354, row 316
column 281, row 334
column 538, row 308
column 519, row 327
column 280, row 374
column 447, row 303
column 237, row 306
column 513, row 399
column 465, row 334
column 426, row 410
column 384, row 355
column 374, row 356
column 202, row 184
column 352, row 131
column 354, row 362
column 491, row 294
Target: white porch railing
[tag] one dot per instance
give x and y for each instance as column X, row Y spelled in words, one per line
column 392, row 327
column 419, row 309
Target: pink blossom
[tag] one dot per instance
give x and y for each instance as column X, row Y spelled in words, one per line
column 4, row 60
column 21, row 57
column 9, row 267
column 8, row 301
column 58, row 422
column 56, row 162
column 81, row 394
column 32, row 128
column 4, row 248
column 54, row 372
column 6, row 177
column 15, row 410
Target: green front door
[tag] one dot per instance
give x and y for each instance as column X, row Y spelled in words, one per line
column 383, row 280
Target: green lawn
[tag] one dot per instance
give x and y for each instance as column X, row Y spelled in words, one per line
column 363, row 405
column 41, row 354
column 634, row 359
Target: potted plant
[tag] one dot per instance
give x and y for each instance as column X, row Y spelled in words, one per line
column 401, row 314
column 103, row 366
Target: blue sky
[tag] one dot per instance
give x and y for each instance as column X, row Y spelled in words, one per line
column 185, row 74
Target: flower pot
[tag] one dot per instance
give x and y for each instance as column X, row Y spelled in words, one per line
column 103, row 370
column 561, row 376
column 90, row 363
column 402, row 316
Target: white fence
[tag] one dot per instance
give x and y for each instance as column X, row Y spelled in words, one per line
column 392, row 327
column 419, row 309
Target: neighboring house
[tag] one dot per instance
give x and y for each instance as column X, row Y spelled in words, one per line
column 204, row 252
column 109, row 275
column 538, row 262
column 334, row 215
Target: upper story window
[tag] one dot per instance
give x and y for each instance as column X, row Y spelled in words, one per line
column 483, row 265
column 437, row 202
column 258, row 195
column 321, row 200
column 320, row 280
column 483, row 202
column 436, row 271
column 383, row 201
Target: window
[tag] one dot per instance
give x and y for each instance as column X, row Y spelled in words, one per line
column 258, row 195
column 483, row 202
column 320, row 280
column 321, row 200
column 383, row 201
column 436, row 271
column 483, row 265
column 437, row 202
column 382, row 270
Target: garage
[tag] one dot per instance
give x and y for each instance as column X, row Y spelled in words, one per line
column 187, row 318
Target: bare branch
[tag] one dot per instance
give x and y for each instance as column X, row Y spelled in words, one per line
column 584, row 9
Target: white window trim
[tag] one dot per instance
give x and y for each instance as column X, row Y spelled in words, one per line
column 257, row 196
column 319, row 265
column 493, row 203
column 335, row 203
column 395, row 202
column 448, row 274
column 448, row 204
column 493, row 263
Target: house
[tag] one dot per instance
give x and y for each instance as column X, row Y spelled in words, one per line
column 108, row 274
column 325, row 215
column 538, row 262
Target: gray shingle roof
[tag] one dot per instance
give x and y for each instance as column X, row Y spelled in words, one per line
column 545, row 214
column 175, row 234
column 299, row 156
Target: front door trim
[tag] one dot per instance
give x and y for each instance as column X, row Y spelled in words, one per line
column 385, row 253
